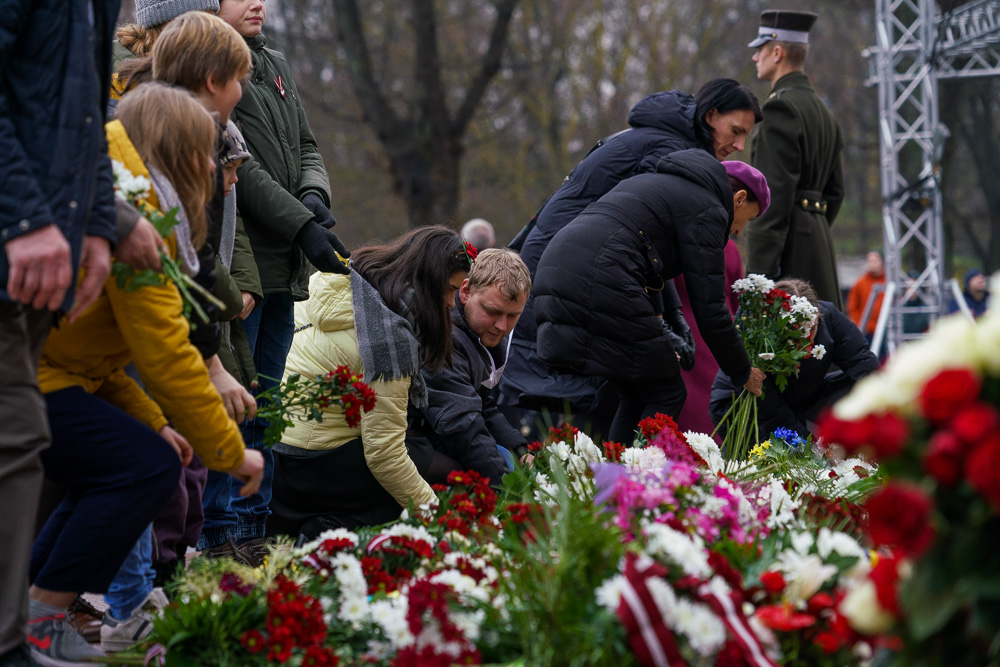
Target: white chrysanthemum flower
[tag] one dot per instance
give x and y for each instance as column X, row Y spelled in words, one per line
column 609, row 593
column 647, row 458
column 761, row 283
column 782, row 506
column 469, row 623
column 354, row 610
column 707, row 448
column 766, row 356
column 742, row 285
column 704, row 630
column 686, row 552
column 818, row 351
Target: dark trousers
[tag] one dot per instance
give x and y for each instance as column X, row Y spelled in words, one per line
column 178, row 525
column 119, row 473
column 24, row 433
column 644, row 399
column 332, row 489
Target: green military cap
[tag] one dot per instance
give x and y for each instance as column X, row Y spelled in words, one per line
column 784, row 25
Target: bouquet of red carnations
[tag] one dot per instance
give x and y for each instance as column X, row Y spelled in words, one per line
column 314, row 398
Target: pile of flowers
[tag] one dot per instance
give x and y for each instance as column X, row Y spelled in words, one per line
column 312, row 399
column 930, row 417
column 591, row 554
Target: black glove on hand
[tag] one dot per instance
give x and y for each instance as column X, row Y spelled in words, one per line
column 314, row 203
column 321, row 247
column 679, row 334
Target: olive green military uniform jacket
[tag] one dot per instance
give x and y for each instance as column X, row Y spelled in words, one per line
column 798, row 149
column 286, row 166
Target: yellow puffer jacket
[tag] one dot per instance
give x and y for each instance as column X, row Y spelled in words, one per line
column 145, row 326
column 332, row 341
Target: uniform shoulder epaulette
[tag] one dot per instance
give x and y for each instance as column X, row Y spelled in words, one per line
column 776, row 95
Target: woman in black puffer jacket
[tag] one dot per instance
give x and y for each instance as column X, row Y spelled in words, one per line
column 594, row 284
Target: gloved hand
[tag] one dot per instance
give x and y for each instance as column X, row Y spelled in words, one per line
column 679, row 334
column 314, row 203
column 321, row 247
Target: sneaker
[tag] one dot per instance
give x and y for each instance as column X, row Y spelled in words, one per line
column 227, row 549
column 120, row 635
column 255, row 552
column 55, row 643
column 86, row 618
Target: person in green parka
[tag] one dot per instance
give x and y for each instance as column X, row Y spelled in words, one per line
column 798, row 148
column 284, row 200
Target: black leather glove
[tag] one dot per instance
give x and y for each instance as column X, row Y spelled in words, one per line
column 679, row 334
column 314, row 203
column 321, row 247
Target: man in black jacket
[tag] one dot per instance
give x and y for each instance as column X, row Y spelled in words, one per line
column 461, row 418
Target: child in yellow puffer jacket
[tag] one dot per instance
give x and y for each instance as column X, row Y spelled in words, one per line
column 113, row 446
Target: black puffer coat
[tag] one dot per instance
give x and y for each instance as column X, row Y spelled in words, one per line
column 815, row 387
column 660, row 124
column 594, row 314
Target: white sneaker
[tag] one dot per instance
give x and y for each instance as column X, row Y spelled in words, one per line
column 120, row 635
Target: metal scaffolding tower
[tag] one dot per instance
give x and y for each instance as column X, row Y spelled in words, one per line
column 916, row 47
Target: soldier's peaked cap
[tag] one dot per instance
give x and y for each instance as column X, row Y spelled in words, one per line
column 784, row 25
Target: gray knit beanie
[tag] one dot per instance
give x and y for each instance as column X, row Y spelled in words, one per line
column 151, row 13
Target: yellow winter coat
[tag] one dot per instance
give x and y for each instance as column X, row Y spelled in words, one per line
column 145, row 326
column 331, row 341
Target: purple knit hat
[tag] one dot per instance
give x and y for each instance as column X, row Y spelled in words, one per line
column 753, row 179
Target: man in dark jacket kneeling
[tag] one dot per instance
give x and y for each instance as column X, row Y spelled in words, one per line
column 461, row 418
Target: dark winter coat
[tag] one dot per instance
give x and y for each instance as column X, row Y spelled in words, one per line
column 815, row 387
column 55, row 70
column 660, row 124
column 461, row 418
column 798, row 149
column 286, row 166
column 593, row 305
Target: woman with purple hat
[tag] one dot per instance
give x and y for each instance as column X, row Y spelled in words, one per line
column 595, row 282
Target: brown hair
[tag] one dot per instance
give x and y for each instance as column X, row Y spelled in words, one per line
column 197, row 46
column 501, row 267
column 800, row 288
column 174, row 133
column 139, row 39
column 422, row 260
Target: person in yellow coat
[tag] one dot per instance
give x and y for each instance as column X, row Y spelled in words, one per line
column 388, row 319
column 118, row 450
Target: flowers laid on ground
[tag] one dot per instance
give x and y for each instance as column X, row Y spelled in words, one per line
column 596, row 556
column 135, row 190
column 312, row 398
column 777, row 331
column 930, row 417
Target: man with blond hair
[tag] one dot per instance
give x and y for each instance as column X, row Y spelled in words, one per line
column 461, row 418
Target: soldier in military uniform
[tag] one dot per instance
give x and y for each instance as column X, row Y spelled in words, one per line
column 797, row 147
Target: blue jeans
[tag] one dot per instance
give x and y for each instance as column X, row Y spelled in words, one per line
column 134, row 580
column 269, row 330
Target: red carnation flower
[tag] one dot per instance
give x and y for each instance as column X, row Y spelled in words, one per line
column 948, row 392
column 943, row 460
column 974, row 422
column 900, row 515
column 471, row 251
column 982, row 469
column 783, row 617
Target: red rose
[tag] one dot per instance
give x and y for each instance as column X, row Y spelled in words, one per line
column 982, row 469
column 851, row 435
column 820, row 602
column 948, row 392
column 900, row 515
column 827, row 641
column 974, row 422
column 943, row 459
column 773, row 582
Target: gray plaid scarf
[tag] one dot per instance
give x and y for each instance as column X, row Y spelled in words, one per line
column 387, row 341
